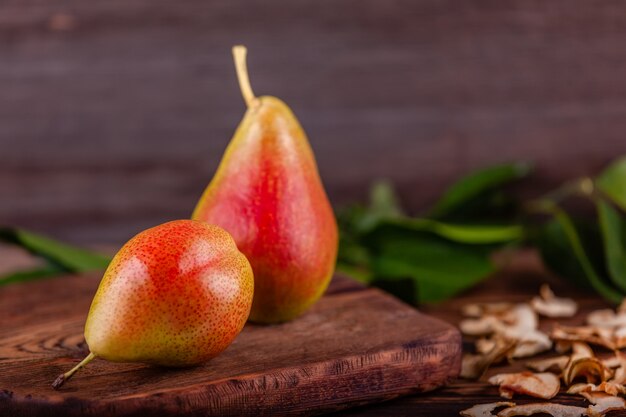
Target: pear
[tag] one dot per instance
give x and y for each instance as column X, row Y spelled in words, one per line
column 268, row 194
column 174, row 295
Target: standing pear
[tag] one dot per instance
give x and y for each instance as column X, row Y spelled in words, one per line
column 267, row 193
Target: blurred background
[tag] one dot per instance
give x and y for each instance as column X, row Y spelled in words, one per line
column 115, row 114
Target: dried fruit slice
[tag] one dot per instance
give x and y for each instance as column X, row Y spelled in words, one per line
column 581, row 387
column 620, row 372
column 516, row 321
column 549, row 305
column 480, row 327
column 589, row 368
column 542, row 385
column 581, row 350
column 588, row 334
column 521, row 317
column 530, row 343
column 603, row 403
column 484, row 345
column 484, row 309
column 583, row 363
column 474, row 366
column 606, row 318
column 619, row 337
column 556, row 410
column 524, row 329
column 610, row 388
column 484, row 410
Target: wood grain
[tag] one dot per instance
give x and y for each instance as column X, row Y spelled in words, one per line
column 356, row 346
column 114, row 114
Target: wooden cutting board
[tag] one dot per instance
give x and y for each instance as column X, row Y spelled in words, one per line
column 356, row 346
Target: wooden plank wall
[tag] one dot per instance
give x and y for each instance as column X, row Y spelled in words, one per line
column 114, row 114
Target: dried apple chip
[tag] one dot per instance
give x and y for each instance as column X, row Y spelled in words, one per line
column 483, row 309
column 522, row 316
column 529, row 343
column 481, row 326
column 581, row 387
column 589, row 368
column 583, row 363
column 581, row 350
column 606, row 318
column 516, row 320
column 474, row 366
column 484, row 345
column 484, row 410
column 588, row 334
column 619, row 337
column 555, row 410
column 542, row 385
column 523, row 328
column 549, row 305
column 610, row 388
column 603, row 403
column 619, row 377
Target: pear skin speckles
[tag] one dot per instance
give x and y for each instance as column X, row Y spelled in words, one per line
column 174, row 295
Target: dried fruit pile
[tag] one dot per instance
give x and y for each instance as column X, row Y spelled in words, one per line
column 507, row 331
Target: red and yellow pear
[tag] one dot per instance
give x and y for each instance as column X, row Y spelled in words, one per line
column 268, row 194
column 175, row 295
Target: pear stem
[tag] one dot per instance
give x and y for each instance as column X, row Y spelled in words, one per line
column 66, row 376
column 239, row 55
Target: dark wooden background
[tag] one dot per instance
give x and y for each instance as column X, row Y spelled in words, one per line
column 114, row 114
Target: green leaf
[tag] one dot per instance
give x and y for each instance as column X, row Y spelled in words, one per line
column 463, row 233
column 417, row 258
column 612, row 182
column 70, row 258
column 557, row 255
column 613, row 232
column 476, row 185
column 47, row 271
column 439, row 267
column 562, row 238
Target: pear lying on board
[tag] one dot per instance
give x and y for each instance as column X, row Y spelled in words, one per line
column 268, row 194
column 174, row 295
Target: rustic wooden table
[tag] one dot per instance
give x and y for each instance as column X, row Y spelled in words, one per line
column 517, row 282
